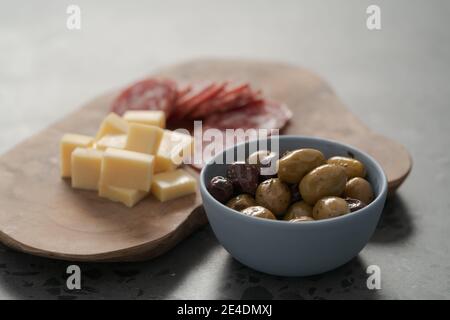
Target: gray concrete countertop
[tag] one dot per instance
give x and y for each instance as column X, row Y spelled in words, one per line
column 396, row 79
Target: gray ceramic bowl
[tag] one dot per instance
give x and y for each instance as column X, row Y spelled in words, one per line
column 295, row 249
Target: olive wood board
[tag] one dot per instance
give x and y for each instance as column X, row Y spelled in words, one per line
column 42, row 215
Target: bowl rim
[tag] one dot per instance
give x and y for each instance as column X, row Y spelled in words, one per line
column 364, row 211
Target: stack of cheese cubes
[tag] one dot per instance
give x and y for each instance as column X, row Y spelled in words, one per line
column 129, row 158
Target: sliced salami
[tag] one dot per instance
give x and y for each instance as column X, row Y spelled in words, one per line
column 148, row 94
column 258, row 115
column 184, row 103
column 209, row 104
column 183, row 91
column 229, row 98
column 201, row 109
column 221, row 106
column 203, row 97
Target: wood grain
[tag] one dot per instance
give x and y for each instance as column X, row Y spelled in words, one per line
column 42, row 215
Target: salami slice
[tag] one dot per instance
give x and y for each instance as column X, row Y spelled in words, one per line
column 206, row 106
column 203, row 97
column 221, row 105
column 224, row 100
column 148, row 94
column 201, row 108
column 239, row 100
column 183, row 91
column 258, row 115
column 230, row 97
column 190, row 90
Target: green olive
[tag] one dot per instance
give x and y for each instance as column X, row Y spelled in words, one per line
column 353, row 167
column 259, row 212
column 267, row 162
column 261, row 157
column 326, row 180
column 298, row 210
column 301, row 219
column 330, row 207
column 354, row 204
column 296, row 164
column 241, row 202
column 274, row 195
column 359, row 188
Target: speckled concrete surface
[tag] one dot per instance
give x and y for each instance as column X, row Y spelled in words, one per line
column 396, row 79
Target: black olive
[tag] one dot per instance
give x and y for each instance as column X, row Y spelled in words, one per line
column 295, row 193
column 354, row 204
column 267, row 162
column 244, row 177
column 221, row 189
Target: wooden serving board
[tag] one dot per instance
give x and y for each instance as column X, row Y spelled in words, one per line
column 41, row 214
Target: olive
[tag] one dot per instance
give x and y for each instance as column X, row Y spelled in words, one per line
column 244, row 177
column 298, row 210
column 261, row 157
column 353, row 167
column 220, row 188
column 266, row 172
column 274, row 195
column 326, row 180
column 330, row 207
column 359, row 188
column 286, row 153
column 267, row 163
column 354, row 204
column 241, row 202
column 259, row 212
column 295, row 193
column 301, row 219
column 296, row 164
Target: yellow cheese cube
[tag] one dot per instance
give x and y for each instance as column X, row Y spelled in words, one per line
column 173, row 148
column 149, row 117
column 143, row 138
column 86, row 166
column 173, row 184
column 112, row 124
column 127, row 169
column 111, row 141
column 68, row 143
column 128, row 197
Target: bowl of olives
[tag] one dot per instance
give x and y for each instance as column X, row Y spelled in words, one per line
column 292, row 205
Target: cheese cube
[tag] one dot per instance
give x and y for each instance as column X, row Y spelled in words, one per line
column 127, row 169
column 143, row 138
column 68, row 143
column 128, row 197
column 173, row 148
column 149, row 117
column 117, row 141
column 86, row 166
column 112, row 124
column 173, row 184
